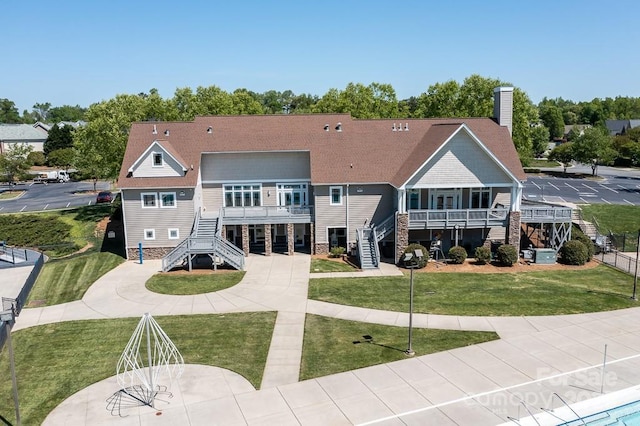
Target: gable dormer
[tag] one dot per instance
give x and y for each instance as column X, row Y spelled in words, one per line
column 158, row 160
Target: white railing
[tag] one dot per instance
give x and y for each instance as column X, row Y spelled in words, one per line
column 199, row 245
column 555, row 213
column 385, row 228
column 462, row 217
column 272, row 214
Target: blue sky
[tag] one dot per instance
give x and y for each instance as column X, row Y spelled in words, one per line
column 81, row 52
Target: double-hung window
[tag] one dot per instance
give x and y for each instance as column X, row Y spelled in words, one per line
column 481, row 198
column 245, row 195
column 335, row 195
column 168, row 199
column 149, row 200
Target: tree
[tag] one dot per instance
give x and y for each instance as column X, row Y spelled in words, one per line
column 8, row 112
column 563, row 154
column 62, row 158
column 539, row 140
column 373, row 101
column 552, row 118
column 58, row 138
column 41, row 111
column 594, row 147
column 14, row 163
column 66, row 113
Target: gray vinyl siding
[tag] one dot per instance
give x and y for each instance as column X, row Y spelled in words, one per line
column 374, row 203
column 461, row 162
column 256, row 166
column 170, row 167
column 160, row 219
column 212, row 198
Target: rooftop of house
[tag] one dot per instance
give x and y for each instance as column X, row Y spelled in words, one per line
column 341, row 149
column 21, row 132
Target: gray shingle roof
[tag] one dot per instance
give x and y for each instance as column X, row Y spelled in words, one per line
column 21, row 132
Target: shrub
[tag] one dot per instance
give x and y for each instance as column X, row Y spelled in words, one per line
column 574, row 252
column 578, row 235
column 507, row 255
column 457, row 255
column 422, row 262
column 337, row 251
column 36, row 158
column 483, row 255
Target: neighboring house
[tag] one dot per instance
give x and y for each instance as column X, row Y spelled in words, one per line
column 226, row 186
column 33, row 135
column 620, row 127
column 580, row 128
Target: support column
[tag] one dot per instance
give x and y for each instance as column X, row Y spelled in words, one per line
column 224, row 233
column 245, row 239
column 402, row 234
column 290, row 239
column 513, row 232
column 268, row 248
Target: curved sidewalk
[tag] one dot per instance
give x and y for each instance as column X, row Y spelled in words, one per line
column 448, row 388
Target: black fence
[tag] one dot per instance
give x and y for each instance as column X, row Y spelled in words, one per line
column 619, row 260
column 626, row 242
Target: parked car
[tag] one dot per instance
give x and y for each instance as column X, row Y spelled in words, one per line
column 104, row 197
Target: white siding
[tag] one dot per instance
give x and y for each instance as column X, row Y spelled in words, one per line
column 255, row 166
column 159, row 219
column 145, row 167
column 461, row 162
column 212, row 198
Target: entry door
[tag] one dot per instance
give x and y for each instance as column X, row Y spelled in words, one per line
column 292, row 195
column 445, row 200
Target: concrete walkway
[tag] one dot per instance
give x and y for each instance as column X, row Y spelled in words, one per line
column 475, row 385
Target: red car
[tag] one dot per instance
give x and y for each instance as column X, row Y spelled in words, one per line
column 104, row 197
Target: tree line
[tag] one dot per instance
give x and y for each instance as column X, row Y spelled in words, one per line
column 98, row 147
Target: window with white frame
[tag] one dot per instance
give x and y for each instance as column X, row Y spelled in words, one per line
column 174, row 233
column 335, row 195
column 243, row 195
column 413, row 199
column 167, row 199
column 480, row 198
column 158, row 161
column 149, row 200
column 149, row 234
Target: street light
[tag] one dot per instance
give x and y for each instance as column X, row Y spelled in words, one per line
column 411, row 261
column 8, row 317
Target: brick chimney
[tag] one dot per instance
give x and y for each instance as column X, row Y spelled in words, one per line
column 503, row 107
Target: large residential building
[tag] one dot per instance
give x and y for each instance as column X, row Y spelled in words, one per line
column 225, row 186
column 33, row 135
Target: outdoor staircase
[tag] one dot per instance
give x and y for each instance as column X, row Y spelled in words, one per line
column 588, row 228
column 206, row 239
column 368, row 238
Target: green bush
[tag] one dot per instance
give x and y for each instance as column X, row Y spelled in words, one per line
column 457, row 255
column 410, row 249
column 578, row 235
column 483, row 255
column 36, row 158
column 507, row 255
column 574, row 252
column 337, row 251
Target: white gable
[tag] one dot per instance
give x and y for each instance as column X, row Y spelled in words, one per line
column 462, row 161
column 156, row 162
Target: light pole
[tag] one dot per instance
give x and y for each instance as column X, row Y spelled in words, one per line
column 411, row 261
column 635, row 276
column 8, row 317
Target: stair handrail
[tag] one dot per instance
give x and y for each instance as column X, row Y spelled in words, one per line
column 359, row 238
column 373, row 239
column 219, row 224
column 178, row 252
column 385, row 227
column 229, row 252
column 196, row 222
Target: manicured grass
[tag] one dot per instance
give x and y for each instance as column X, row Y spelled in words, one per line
column 66, row 280
column 10, row 195
column 185, row 284
column 615, row 218
column 54, row 361
column 330, row 344
column 326, row 265
column 536, row 162
column 525, row 293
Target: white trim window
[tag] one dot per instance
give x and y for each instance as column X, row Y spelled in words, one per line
column 149, row 234
column 157, row 159
column 168, row 200
column 335, row 195
column 173, row 233
column 480, row 198
column 245, row 195
column 149, row 200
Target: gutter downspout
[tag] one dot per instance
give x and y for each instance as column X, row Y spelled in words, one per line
column 347, row 214
column 124, row 225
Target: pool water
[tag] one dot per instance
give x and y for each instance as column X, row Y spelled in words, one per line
column 623, row 415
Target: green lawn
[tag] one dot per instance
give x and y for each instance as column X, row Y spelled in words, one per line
column 10, row 195
column 185, row 284
column 525, row 293
column 326, row 265
column 333, row 345
column 535, row 162
column 54, row 361
column 615, row 218
column 66, row 280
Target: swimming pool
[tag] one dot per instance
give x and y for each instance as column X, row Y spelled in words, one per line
column 623, row 415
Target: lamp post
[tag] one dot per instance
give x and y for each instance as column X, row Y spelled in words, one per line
column 635, row 275
column 411, row 261
column 8, row 317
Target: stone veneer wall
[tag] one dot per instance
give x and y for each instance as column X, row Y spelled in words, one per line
column 245, row 239
column 402, row 234
column 290, row 239
column 268, row 248
column 513, row 233
column 148, row 253
column 312, row 238
column 322, row 248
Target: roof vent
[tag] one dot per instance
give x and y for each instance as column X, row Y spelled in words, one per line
column 399, row 127
column 406, row 127
column 326, row 127
column 166, row 132
column 339, row 127
column 209, row 129
column 393, row 129
column 155, row 130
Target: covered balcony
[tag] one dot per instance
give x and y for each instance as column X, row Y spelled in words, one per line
column 266, row 215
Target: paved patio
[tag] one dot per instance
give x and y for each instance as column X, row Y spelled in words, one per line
column 476, row 385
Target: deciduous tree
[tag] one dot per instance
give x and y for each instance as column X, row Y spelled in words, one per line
column 14, row 163
column 9, row 112
column 539, row 140
column 594, row 147
column 563, row 154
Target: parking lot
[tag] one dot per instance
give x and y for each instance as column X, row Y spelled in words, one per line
column 52, row 196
